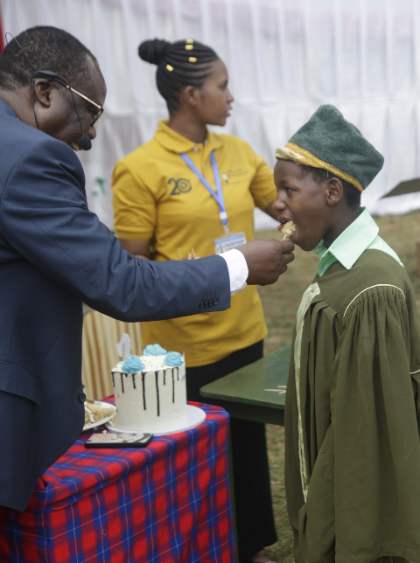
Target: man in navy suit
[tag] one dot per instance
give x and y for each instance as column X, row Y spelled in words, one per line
column 55, row 253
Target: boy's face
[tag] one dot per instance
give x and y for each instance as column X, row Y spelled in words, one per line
column 302, row 200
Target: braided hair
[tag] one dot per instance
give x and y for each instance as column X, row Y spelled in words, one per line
column 180, row 64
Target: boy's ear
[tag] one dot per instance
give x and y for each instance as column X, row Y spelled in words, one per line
column 334, row 191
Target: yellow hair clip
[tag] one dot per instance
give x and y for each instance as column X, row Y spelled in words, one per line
column 170, row 68
column 189, row 47
column 192, row 60
column 189, row 41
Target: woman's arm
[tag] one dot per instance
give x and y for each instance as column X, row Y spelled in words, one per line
column 262, row 186
column 140, row 248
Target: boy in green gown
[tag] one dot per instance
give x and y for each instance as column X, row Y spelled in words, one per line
column 353, row 408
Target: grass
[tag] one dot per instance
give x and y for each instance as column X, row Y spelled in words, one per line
column 280, row 302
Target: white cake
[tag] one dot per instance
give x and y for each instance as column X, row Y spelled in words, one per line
column 153, row 397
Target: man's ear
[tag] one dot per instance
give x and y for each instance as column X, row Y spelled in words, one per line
column 42, row 92
column 334, row 191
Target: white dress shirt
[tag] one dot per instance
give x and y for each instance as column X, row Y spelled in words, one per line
column 238, row 270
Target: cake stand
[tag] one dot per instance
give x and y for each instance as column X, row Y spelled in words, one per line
column 195, row 416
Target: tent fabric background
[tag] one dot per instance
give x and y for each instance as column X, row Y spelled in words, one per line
column 285, row 58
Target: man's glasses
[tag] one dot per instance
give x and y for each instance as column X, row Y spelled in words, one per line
column 101, row 109
column 54, row 77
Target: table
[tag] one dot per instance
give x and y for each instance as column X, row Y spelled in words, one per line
column 169, row 502
column 255, row 392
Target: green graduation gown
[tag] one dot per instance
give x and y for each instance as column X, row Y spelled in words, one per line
column 352, row 468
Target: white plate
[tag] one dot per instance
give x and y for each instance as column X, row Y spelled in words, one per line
column 195, row 416
column 97, row 423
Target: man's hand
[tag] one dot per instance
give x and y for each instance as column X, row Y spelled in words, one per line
column 267, row 259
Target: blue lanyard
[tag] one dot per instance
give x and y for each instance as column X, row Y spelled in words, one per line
column 217, row 196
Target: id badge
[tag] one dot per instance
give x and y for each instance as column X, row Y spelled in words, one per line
column 229, row 241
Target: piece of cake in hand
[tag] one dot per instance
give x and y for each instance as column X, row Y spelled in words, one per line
column 288, row 229
column 150, row 390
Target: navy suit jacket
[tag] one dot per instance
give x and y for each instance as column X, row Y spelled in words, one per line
column 54, row 254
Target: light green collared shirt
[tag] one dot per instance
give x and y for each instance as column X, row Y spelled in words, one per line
column 359, row 236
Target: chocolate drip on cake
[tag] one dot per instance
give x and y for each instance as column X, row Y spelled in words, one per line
column 157, row 391
column 173, row 386
column 113, row 379
column 134, row 380
column 122, row 382
column 177, row 374
column 144, row 390
column 164, row 376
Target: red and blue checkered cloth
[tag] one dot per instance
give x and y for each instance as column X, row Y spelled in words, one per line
column 168, row 502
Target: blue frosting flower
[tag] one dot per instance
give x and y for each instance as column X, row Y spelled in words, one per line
column 132, row 364
column 173, row 359
column 154, row 350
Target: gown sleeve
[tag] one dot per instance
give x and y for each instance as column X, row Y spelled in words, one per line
column 364, row 491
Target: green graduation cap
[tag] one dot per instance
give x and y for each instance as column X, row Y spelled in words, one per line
column 330, row 142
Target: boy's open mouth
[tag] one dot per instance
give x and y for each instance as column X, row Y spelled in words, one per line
column 283, row 221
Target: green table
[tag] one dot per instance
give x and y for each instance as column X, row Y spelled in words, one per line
column 256, row 392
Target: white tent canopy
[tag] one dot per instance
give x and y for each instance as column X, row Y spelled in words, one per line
column 285, row 58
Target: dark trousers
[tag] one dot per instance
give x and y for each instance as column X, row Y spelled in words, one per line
column 254, row 509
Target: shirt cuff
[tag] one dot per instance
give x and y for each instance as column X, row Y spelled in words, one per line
column 238, row 270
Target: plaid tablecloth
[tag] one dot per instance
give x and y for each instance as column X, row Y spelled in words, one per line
column 168, row 502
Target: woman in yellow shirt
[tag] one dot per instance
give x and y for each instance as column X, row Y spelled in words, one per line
column 174, row 197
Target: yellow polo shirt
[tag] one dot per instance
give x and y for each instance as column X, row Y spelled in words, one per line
column 158, row 197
